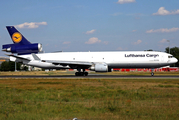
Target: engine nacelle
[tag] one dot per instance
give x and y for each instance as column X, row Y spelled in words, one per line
column 100, row 67
column 23, row 49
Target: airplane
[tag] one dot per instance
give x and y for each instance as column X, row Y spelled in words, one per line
column 28, row 54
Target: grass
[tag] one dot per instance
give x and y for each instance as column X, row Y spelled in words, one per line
column 45, row 73
column 56, row 99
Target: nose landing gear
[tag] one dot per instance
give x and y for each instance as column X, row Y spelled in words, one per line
column 152, row 73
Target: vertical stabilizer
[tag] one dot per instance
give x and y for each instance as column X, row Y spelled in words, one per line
column 16, row 36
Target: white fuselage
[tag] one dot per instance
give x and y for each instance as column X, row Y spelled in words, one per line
column 126, row 59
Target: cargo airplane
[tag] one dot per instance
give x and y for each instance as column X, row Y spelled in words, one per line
column 27, row 53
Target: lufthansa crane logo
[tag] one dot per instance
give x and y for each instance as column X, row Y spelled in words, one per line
column 16, row 37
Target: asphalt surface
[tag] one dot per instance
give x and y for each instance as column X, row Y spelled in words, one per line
column 90, row 76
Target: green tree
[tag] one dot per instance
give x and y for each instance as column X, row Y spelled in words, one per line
column 4, row 66
column 175, row 52
column 9, row 66
column 149, row 50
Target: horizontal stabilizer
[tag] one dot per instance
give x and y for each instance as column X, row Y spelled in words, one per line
column 19, row 57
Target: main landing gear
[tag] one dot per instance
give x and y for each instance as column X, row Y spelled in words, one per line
column 79, row 73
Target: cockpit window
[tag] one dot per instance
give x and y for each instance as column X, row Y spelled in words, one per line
column 170, row 56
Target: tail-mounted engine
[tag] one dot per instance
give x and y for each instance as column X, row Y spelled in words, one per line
column 23, row 49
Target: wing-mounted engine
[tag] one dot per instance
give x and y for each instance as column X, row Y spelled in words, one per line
column 100, row 67
column 23, row 49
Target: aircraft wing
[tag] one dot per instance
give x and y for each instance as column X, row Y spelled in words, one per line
column 79, row 63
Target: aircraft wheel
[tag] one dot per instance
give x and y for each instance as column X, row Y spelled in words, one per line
column 86, row 73
column 152, row 74
column 77, row 73
column 81, row 74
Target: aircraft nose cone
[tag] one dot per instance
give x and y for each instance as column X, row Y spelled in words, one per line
column 175, row 60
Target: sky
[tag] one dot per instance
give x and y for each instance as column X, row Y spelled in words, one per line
column 93, row 25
